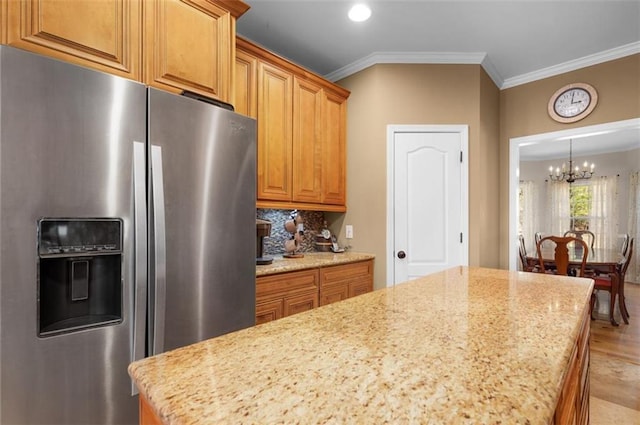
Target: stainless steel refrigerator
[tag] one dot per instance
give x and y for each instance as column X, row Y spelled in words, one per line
column 126, row 229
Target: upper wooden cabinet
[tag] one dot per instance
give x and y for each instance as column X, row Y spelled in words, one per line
column 101, row 34
column 189, row 46
column 301, row 131
column 173, row 45
column 246, row 84
column 308, row 136
column 334, row 149
column 274, row 133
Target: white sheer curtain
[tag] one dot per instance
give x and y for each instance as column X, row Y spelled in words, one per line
column 604, row 211
column 558, row 214
column 530, row 209
column 633, row 226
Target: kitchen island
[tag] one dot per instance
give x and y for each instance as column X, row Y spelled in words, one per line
column 467, row 345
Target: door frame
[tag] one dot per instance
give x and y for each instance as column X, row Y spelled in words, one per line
column 514, row 167
column 463, row 131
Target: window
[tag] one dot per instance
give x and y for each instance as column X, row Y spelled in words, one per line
column 580, row 198
column 529, row 214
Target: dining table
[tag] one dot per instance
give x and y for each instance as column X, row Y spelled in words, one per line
column 601, row 261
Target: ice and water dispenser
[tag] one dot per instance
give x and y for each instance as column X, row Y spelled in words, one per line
column 80, row 274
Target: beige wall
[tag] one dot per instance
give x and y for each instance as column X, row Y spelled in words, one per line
column 460, row 94
column 418, row 94
column 488, row 170
column 523, row 112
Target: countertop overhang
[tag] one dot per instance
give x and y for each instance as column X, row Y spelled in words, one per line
column 311, row 260
column 463, row 346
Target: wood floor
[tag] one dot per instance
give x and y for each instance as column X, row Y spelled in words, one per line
column 615, row 363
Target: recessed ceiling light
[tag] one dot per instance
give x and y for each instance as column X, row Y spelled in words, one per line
column 359, row 13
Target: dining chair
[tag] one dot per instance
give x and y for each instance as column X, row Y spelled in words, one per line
column 628, row 256
column 537, row 236
column 561, row 254
column 625, row 244
column 611, row 283
column 587, row 235
column 590, row 238
column 522, row 251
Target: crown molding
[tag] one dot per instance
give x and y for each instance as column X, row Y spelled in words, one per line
column 595, row 59
column 491, row 70
column 482, row 59
column 478, row 58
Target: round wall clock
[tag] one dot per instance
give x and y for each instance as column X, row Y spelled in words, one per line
column 572, row 102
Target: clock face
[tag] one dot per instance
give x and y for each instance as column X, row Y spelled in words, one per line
column 572, row 102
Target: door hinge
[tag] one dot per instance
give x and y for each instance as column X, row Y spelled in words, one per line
column 460, row 237
column 460, row 156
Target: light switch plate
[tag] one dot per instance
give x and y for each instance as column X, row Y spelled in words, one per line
column 348, row 229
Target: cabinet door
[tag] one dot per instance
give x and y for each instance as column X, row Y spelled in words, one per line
column 360, row 287
column 246, row 84
column 99, row 34
column 307, row 141
column 188, row 47
column 269, row 310
column 334, row 293
column 300, row 303
column 334, row 150
column 274, row 133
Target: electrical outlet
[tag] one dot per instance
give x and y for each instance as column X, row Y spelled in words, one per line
column 348, row 229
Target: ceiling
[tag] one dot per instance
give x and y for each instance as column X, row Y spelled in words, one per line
column 515, row 41
column 615, row 141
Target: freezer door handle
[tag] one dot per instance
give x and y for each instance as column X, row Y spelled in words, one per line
column 159, row 279
column 140, row 254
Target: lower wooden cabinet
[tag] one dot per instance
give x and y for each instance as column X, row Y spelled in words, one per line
column 284, row 294
column 147, row 416
column 573, row 405
column 345, row 281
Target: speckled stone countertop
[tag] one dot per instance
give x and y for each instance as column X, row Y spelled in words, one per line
column 464, row 346
column 311, row 260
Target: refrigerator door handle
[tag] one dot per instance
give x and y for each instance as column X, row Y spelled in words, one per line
column 159, row 280
column 140, row 255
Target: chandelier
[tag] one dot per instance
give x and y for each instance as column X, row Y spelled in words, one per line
column 571, row 173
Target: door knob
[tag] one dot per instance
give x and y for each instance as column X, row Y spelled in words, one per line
column 401, row 254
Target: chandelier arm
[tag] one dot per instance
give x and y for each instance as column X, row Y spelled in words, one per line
column 570, row 175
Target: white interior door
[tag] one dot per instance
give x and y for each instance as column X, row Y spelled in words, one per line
column 428, row 200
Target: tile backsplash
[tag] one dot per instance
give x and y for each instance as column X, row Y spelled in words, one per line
column 274, row 245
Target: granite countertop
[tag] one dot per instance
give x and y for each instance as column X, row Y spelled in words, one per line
column 311, row 260
column 463, row 346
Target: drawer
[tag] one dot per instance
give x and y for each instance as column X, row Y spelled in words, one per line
column 286, row 284
column 346, row 272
